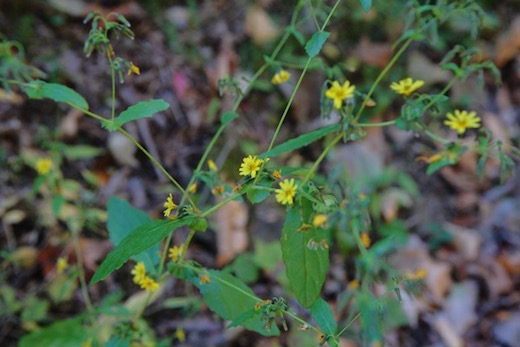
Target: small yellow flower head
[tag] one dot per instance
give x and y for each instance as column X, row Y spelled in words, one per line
column 365, row 240
column 419, row 274
column 277, row 174
column 250, row 166
column 320, row 220
column 175, row 253
column 286, row 193
column 354, row 284
column 149, row 284
column 43, row 166
column 217, row 190
column 212, row 166
column 462, row 120
column 139, row 272
column 204, row 279
column 192, row 188
column 180, row 334
column 169, row 206
column 133, row 69
column 339, row 93
column 87, row 343
column 407, row 86
column 280, row 77
column 61, row 265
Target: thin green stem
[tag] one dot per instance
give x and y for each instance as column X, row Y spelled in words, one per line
column 83, row 282
column 313, row 15
column 383, row 74
column 380, row 124
column 219, row 205
column 156, row 163
column 321, row 157
column 113, row 77
column 301, row 321
column 348, row 324
column 330, row 15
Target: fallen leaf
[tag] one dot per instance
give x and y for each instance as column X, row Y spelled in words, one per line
column 446, row 331
column 260, row 26
column 372, row 53
column 232, row 238
column 460, row 306
column 508, row 43
column 421, row 68
column 466, row 241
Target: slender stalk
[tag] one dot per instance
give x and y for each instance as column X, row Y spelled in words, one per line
column 113, row 77
column 380, row 124
column 321, row 157
column 83, row 282
column 348, row 324
column 383, row 74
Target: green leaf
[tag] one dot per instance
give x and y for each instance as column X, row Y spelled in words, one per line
column 300, row 141
column 122, row 219
column 139, row 240
column 81, row 152
column 305, row 261
column 323, row 315
column 57, row 203
column 64, row 333
column 256, row 194
column 232, row 300
column 143, row 109
column 366, row 4
column 314, row 45
column 57, row 92
column 228, row 117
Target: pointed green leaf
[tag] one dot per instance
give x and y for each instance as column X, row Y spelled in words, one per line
column 323, row 315
column 57, row 92
column 81, row 152
column 300, row 141
column 143, row 109
column 232, row 300
column 314, row 45
column 122, row 219
column 228, row 117
column 306, row 257
column 139, row 240
column 366, row 4
column 64, row 333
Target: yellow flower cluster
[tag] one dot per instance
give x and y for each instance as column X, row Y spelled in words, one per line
column 43, row 166
column 169, row 206
column 406, row 86
column 462, row 120
column 280, row 77
column 250, row 166
column 285, row 195
column 133, row 69
column 338, row 93
column 175, row 252
column 142, row 279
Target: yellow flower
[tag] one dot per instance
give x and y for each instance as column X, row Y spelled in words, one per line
column 204, row 279
column 320, row 220
column 61, row 264
column 169, row 206
column 217, row 190
column 212, row 166
column 139, row 272
column 365, row 240
column 354, row 284
column 280, row 77
column 287, row 191
column 87, row 343
column 175, row 253
column 149, row 284
column 192, row 188
column 462, row 120
column 133, row 69
column 250, row 166
column 406, row 86
column 277, row 174
column 43, row 166
column 339, row 93
column 180, row 334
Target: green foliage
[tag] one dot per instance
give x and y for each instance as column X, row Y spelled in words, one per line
column 143, row 109
column 300, row 141
column 315, row 44
column 366, row 4
column 65, row 333
column 305, row 254
column 122, row 220
column 138, row 241
column 323, row 315
column 57, row 92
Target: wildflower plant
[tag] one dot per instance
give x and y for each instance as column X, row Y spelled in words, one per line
column 319, row 213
